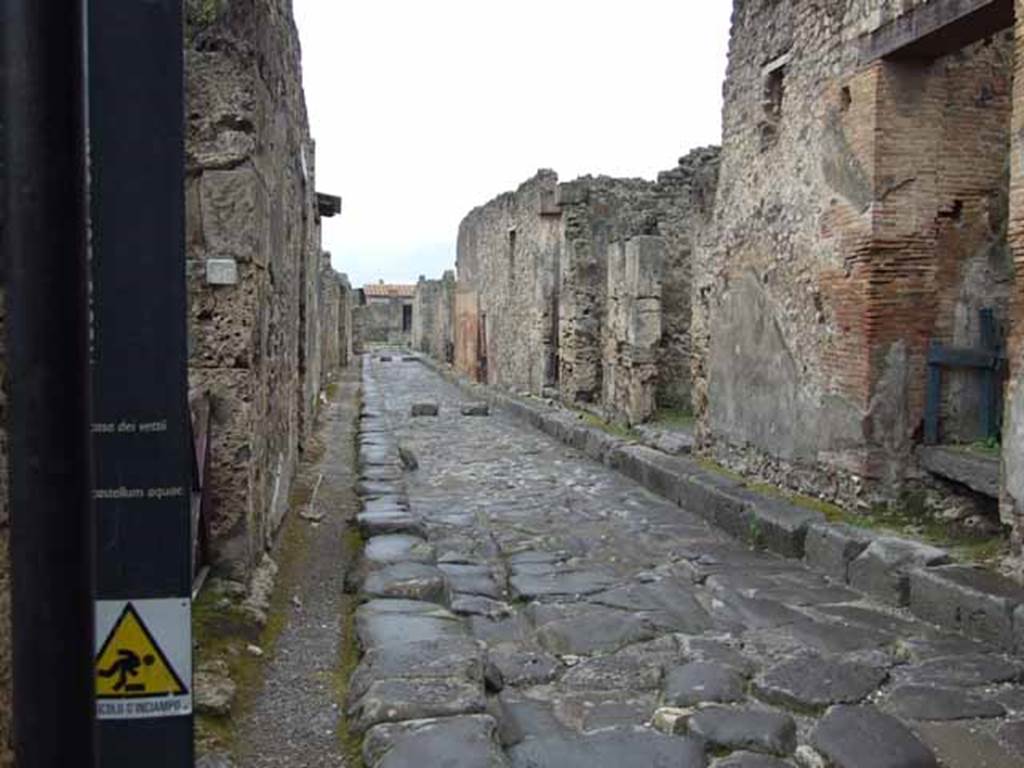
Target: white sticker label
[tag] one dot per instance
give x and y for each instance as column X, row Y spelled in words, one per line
column 143, row 658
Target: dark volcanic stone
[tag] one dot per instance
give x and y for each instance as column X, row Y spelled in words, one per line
column 450, row 657
column 457, row 742
column 396, row 700
column 476, row 409
column 1012, row 734
column 394, row 522
column 424, row 409
column 923, row 702
column 700, row 682
column 863, row 737
column 389, row 622
column 521, row 668
column 810, row 683
column 408, row 581
column 967, row 670
column 593, row 632
column 397, row 548
column 750, row 760
column 751, row 729
column 618, row 672
column 612, row 748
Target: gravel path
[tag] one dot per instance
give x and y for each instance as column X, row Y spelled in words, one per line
column 293, row 720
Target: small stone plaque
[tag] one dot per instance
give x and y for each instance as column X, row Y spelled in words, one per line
column 221, row 272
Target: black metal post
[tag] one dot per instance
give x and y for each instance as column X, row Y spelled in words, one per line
column 45, row 242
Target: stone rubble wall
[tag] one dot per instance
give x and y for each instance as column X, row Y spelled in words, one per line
column 861, row 211
column 379, row 321
column 537, row 260
column 257, row 345
column 433, row 317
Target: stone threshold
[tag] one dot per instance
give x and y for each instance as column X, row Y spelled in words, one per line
column 977, row 471
column 904, row 573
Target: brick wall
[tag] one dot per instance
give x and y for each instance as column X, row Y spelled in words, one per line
column 860, row 213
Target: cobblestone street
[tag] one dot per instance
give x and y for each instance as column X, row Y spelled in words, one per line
column 616, row 629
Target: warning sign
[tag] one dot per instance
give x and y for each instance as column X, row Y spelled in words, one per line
column 143, row 658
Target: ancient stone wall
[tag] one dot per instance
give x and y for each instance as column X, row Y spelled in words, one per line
column 860, row 213
column 509, row 252
column 433, row 317
column 381, row 321
column 256, row 281
column 553, row 316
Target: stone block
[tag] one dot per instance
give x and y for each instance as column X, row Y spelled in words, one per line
column 976, row 602
column 863, row 737
column 1018, row 629
column 780, row 527
column 235, row 215
column 882, row 569
column 424, row 409
column 831, row 547
column 455, row 741
column 476, row 409
column 730, row 728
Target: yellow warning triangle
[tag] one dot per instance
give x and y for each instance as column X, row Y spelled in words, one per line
column 130, row 665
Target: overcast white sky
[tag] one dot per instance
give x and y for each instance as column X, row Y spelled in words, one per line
column 423, row 110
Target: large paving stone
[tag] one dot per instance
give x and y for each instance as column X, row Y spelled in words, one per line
column 671, row 604
column 751, row 760
column 472, row 579
column 925, row 702
column 522, row 667
column 831, row 547
column 617, row 672
column 883, row 568
column 408, row 581
column 397, row 548
column 381, row 623
column 423, row 409
column 379, row 453
column 967, row 670
column 612, row 748
column 974, row 601
column 390, row 520
column 863, row 737
column 754, row 730
column 701, row 683
column 457, row 742
column 477, row 605
column 1012, row 735
column 380, row 489
column 560, row 583
column 594, row 631
column 810, row 683
column 395, row 700
column 963, row 745
column 449, row 657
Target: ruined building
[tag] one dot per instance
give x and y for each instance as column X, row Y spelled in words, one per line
column 384, row 314
column 855, row 287
column 582, row 289
column 433, row 317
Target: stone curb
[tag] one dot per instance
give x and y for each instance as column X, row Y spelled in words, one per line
column 904, row 573
column 412, row 699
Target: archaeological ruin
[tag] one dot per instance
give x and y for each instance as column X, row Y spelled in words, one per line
column 830, row 295
column 383, row 314
column 749, row 434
